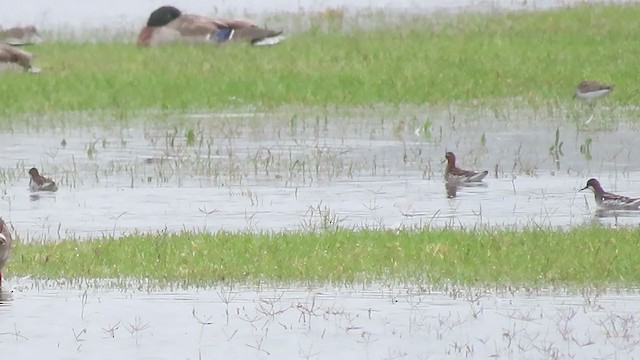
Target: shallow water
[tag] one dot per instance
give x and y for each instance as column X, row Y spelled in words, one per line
column 277, row 172
column 128, row 15
column 58, row 321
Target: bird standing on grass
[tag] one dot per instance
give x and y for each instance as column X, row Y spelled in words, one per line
column 5, row 246
column 13, row 56
column 591, row 90
column 20, row 35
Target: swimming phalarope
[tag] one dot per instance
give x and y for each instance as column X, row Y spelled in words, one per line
column 457, row 175
column 40, row 183
column 609, row 201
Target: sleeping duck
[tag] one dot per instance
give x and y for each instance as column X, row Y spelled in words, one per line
column 20, row 35
column 167, row 24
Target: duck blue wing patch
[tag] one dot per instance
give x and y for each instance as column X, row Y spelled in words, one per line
column 222, row 34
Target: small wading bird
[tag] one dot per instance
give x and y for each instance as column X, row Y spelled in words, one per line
column 610, row 201
column 40, row 183
column 5, row 246
column 167, row 24
column 13, row 56
column 591, row 90
column 20, row 35
column 455, row 175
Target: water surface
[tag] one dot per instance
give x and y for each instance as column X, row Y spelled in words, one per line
column 368, row 322
column 277, row 171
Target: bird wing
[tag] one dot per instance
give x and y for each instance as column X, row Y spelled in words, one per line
column 193, row 25
column 459, row 172
column 591, row 85
column 622, row 200
column 254, row 33
column 235, row 24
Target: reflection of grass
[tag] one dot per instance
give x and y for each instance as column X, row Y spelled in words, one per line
column 427, row 59
column 585, row 255
column 585, row 149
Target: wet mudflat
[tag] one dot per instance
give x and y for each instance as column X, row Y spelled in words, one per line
column 70, row 321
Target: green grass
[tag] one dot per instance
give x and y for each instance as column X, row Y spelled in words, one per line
column 534, row 55
column 591, row 255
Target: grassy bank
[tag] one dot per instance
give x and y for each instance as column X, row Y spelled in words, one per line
column 581, row 256
column 540, row 55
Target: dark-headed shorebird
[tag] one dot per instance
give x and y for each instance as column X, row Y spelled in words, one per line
column 609, row 201
column 167, row 24
column 454, row 174
column 40, row 183
column 5, row 246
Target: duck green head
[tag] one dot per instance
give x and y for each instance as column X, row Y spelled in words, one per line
column 163, row 15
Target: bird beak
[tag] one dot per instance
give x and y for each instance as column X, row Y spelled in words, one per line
column 584, row 188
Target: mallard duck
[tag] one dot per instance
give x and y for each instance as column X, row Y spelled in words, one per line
column 20, row 35
column 609, row 201
column 167, row 24
column 5, row 246
column 454, row 174
column 40, row 183
column 13, row 56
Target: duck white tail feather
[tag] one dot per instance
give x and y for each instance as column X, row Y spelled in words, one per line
column 270, row 40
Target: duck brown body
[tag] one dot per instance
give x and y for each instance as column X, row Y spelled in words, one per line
column 5, row 246
column 168, row 25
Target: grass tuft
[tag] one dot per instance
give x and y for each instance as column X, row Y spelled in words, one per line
column 591, row 255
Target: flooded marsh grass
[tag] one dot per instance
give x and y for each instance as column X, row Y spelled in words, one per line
column 378, row 167
column 388, row 321
column 238, row 202
column 591, row 255
column 465, row 57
